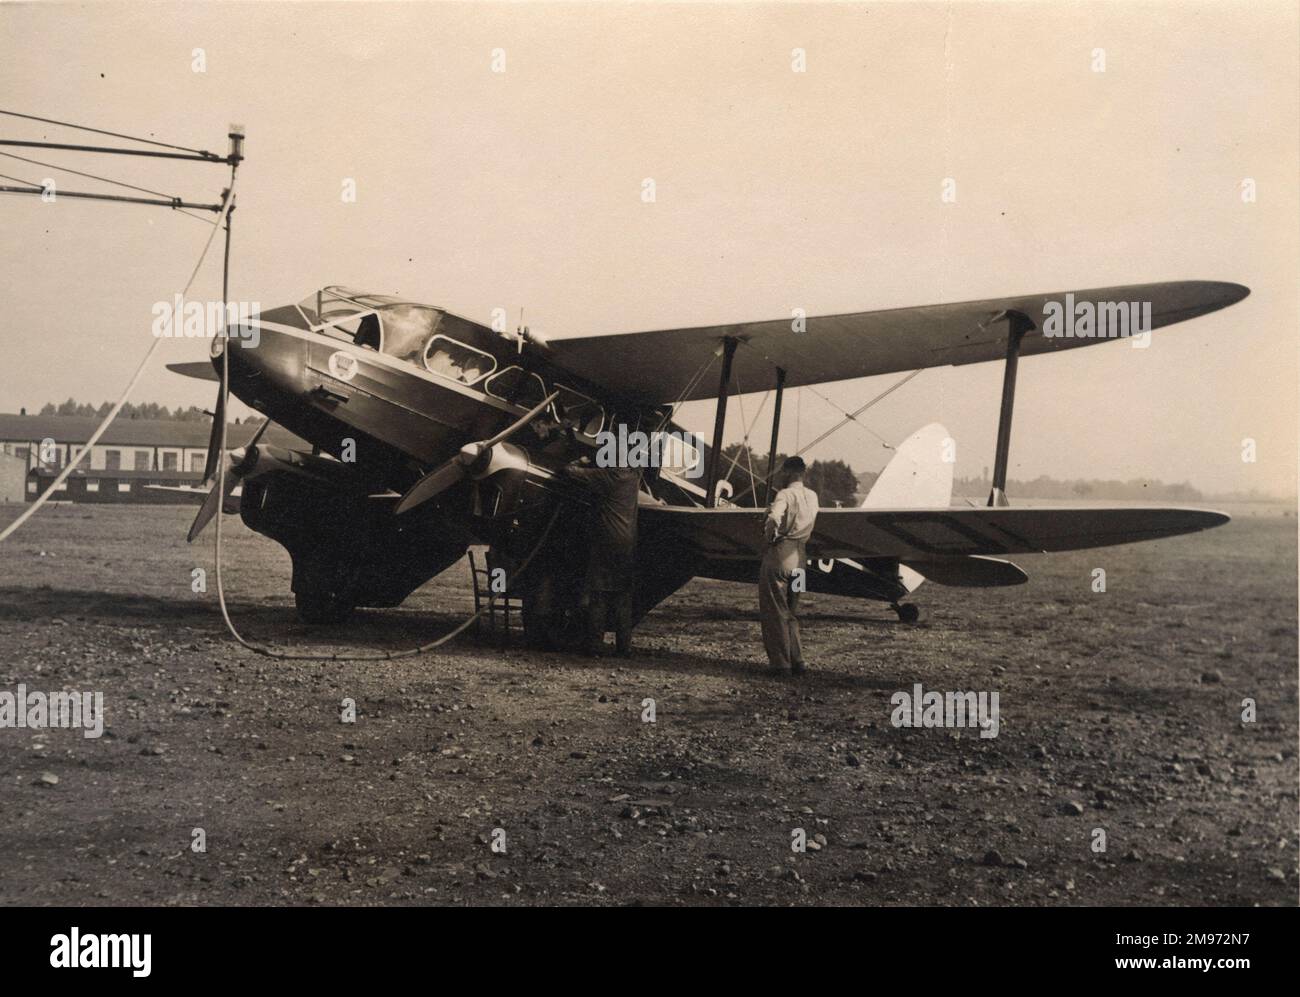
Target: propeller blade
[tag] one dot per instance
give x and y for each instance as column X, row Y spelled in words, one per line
column 213, row 502
column 519, row 423
column 201, row 370
column 214, row 437
column 257, row 436
column 433, row 484
column 452, row 472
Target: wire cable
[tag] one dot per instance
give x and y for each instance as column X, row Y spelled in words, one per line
column 126, row 393
column 100, row 131
column 28, row 183
column 90, row 176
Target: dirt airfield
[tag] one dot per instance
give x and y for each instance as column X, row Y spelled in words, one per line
column 1120, row 712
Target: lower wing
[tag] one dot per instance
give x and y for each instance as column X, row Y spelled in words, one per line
column 918, row 534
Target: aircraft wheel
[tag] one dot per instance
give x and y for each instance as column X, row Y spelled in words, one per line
column 321, row 606
column 908, row 612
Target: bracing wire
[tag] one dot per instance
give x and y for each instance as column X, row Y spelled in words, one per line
column 690, row 386
column 853, row 416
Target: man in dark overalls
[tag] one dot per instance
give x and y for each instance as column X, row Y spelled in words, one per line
column 611, row 549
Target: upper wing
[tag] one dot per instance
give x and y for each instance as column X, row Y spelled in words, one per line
column 917, row 534
column 656, row 366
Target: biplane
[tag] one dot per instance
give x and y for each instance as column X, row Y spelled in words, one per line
column 431, row 432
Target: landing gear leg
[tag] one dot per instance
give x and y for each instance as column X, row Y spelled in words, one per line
column 908, row 612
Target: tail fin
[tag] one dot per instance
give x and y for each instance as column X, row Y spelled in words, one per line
column 919, row 476
column 916, row 477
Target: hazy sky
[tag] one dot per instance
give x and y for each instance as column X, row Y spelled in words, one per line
column 774, row 190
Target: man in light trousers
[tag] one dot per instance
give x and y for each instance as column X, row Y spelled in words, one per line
column 790, row 520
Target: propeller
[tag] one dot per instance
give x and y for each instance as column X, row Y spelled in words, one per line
column 455, row 470
column 237, row 462
column 219, row 416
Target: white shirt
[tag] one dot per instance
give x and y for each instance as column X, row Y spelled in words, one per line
column 791, row 515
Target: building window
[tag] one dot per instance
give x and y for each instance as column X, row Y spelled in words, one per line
column 124, row 486
column 143, row 460
column 92, row 486
column 196, row 461
column 168, row 461
column 112, row 460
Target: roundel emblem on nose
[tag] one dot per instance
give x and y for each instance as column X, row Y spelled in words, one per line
column 343, row 365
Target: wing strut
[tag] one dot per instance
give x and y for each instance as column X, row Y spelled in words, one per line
column 1019, row 323
column 719, row 421
column 776, row 429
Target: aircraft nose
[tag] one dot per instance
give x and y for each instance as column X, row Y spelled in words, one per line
column 262, row 360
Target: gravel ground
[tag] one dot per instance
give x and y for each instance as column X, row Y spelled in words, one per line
column 1120, row 712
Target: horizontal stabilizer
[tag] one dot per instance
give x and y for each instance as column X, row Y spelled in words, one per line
column 969, row 572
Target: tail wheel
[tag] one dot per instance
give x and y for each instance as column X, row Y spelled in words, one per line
column 908, row 612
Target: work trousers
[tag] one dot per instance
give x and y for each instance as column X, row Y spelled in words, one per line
column 778, row 602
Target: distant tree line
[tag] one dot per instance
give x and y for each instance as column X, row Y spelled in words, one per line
column 144, row 410
column 832, row 480
column 1081, row 488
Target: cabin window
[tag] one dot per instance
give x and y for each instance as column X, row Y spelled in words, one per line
column 579, row 411
column 678, row 457
column 360, row 330
column 516, row 386
column 330, row 304
column 407, row 329
column 456, row 361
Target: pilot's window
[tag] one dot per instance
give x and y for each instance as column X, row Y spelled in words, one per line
column 407, row 329
column 363, row 330
column 516, row 386
column 458, row 362
column 330, row 304
column 579, row 411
